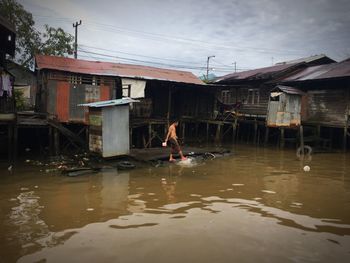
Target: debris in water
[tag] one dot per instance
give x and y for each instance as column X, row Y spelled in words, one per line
column 9, row 168
column 90, row 209
column 268, row 191
column 238, row 184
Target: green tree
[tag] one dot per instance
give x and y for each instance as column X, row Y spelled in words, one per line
column 29, row 41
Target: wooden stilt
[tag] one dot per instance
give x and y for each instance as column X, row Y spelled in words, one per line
column 56, row 139
column 207, row 131
column 345, row 135
column 234, row 126
column 15, row 141
column 301, row 136
column 183, row 132
column 255, row 131
column 266, row 140
column 10, row 140
column 130, row 139
column 282, row 142
column 51, row 141
column 331, row 132
column 150, row 135
column 143, row 140
column 218, row 133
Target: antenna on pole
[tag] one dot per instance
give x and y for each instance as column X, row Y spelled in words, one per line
column 75, row 25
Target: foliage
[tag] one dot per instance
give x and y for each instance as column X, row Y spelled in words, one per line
column 29, row 41
column 20, row 100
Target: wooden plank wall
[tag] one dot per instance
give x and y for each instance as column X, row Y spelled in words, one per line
column 326, row 107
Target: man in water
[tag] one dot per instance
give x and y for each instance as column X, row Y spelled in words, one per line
column 171, row 137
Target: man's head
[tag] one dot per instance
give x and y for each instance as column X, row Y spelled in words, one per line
column 176, row 122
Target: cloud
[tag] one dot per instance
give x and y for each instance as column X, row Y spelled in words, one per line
column 249, row 32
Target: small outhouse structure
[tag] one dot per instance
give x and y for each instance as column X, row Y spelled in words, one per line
column 284, row 107
column 109, row 127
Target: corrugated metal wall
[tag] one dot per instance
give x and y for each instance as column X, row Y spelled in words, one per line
column 115, row 131
column 63, row 98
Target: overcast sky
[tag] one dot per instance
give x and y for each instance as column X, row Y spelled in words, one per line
column 182, row 33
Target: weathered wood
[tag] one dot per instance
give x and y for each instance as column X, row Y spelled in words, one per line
column 183, row 132
column 56, row 136
column 266, row 135
column 301, row 136
column 218, row 133
column 255, row 131
column 149, row 143
column 282, row 138
column 345, row 135
column 207, row 131
column 15, row 141
column 10, row 140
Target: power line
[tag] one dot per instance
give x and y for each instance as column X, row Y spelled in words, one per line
column 113, row 57
column 167, row 38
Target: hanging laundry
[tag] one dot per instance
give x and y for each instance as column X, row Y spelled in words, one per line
column 6, row 84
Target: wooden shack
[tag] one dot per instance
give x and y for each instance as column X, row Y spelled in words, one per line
column 284, row 107
column 109, row 127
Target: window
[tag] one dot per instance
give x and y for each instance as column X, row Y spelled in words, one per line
column 75, row 79
column 226, row 97
column 253, row 96
column 126, row 90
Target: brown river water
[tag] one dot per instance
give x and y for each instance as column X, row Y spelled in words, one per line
column 257, row 205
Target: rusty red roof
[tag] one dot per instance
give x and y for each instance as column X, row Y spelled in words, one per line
column 114, row 69
column 334, row 70
column 256, row 73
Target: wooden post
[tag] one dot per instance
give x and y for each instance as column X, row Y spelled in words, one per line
column 207, row 131
column 266, row 135
column 345, row 138
column 150, row 135
column 282, row 142
column 10, row 140
column 234, row 132
column 183, row 132
column 255, row 131
column 56, row 136
column 218, row 133
column 50, row 141
column 301, row 136
column 15, row 141
column 130, row 139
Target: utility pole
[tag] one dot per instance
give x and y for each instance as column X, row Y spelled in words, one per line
column 235, row 63
column 209, row 57
column 75, row 25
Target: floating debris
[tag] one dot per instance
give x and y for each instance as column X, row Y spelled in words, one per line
column 90, row 209
column 268, row 191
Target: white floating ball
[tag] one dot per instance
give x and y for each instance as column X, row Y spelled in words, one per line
column 307, row 168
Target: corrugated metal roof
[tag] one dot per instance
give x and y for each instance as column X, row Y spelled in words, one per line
column 108, row 103
column 307, row 59
column 255, row 73
column 114, row 69
column 288, row 90
column 334, row 70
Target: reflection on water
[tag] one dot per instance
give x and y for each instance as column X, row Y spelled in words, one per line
column 257, row 205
